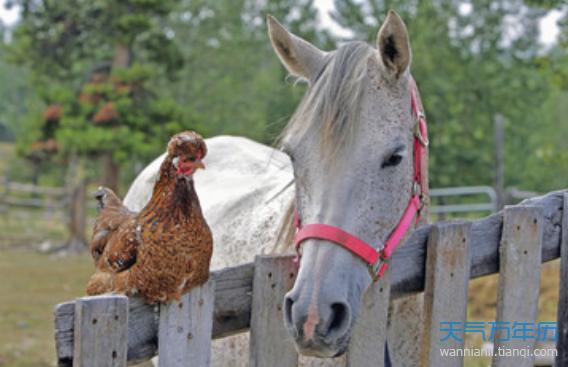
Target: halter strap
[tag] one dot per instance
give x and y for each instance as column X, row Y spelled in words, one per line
column 377, row 259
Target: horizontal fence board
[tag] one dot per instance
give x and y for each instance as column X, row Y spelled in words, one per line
column 234, row 285
column 34, row 203
column 409, row 260
column 33, row 189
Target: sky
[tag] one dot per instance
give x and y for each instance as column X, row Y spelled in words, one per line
column 548, row 27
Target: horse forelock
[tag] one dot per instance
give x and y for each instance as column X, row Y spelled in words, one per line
column 330, row 107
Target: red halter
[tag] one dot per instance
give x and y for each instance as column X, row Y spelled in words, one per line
column 377, row 259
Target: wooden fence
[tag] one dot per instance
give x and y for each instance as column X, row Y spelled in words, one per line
column 39, row 197
column 69, row 202
column 115, row 331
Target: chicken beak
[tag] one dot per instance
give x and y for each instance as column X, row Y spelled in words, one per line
column 198, row 165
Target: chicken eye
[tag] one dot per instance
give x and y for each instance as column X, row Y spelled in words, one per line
column 392, row 161
column 191, row 158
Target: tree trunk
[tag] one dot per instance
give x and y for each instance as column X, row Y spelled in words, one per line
column 110, row 168
column 111, row 172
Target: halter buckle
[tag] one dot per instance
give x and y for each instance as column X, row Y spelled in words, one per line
column 418, row 133
column 375, row 269
column 417, row 191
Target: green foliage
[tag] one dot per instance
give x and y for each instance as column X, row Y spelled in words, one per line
column 470, row 67
column 17, row 98
column 119, row 115
column 198, row 65
column 63, row 39
column 232, row 82
column 208, row 66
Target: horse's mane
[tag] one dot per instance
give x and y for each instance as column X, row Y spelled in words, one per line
column 330, row 108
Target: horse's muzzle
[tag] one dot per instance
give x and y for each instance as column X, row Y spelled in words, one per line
column 320, row 329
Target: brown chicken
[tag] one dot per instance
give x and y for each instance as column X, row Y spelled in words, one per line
column 163, row 251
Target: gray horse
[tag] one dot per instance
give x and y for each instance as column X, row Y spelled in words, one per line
column 351, row 147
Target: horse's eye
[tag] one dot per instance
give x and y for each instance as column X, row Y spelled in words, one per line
column 392, row 161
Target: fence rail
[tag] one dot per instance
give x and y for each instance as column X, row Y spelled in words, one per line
column 443, row 193
column 68, row 201
column 51, row 197
column 525, row 235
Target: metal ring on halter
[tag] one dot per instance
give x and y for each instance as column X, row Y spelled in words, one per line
column 374, row 269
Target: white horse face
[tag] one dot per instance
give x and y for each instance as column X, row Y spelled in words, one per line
column 350, row 142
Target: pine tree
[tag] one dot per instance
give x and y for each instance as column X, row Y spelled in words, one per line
column 67, row 43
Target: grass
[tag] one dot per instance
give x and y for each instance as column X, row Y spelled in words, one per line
column 31, row 227
column 32, row 285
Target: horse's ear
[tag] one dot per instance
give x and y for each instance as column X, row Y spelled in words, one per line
column 300, row 57
column 393, row 44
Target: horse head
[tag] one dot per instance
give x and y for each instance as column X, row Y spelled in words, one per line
column 351, row 142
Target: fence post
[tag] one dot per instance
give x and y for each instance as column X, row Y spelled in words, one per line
column 77, row 218
column 519, row 281
column 270, row 344
column 445, row 291
column 367, row 346
column 562, row 342
column 185, row 331
column 101, row 331
column 500, row 160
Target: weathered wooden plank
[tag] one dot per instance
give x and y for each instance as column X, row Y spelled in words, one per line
column 101, row 323
column 233, row 299
column 31, row 188
column 368, row 340
column 234, row 285
column 270, row 344
column 445, row 293
column 409, row 260
column 186, row 327
column 64, row 323
column 233, row 295
column 519, row 282
column 562, row 342
column 142, row 341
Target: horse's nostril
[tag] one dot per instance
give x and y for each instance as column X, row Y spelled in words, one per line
column 339, row 319
column 288, row 303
